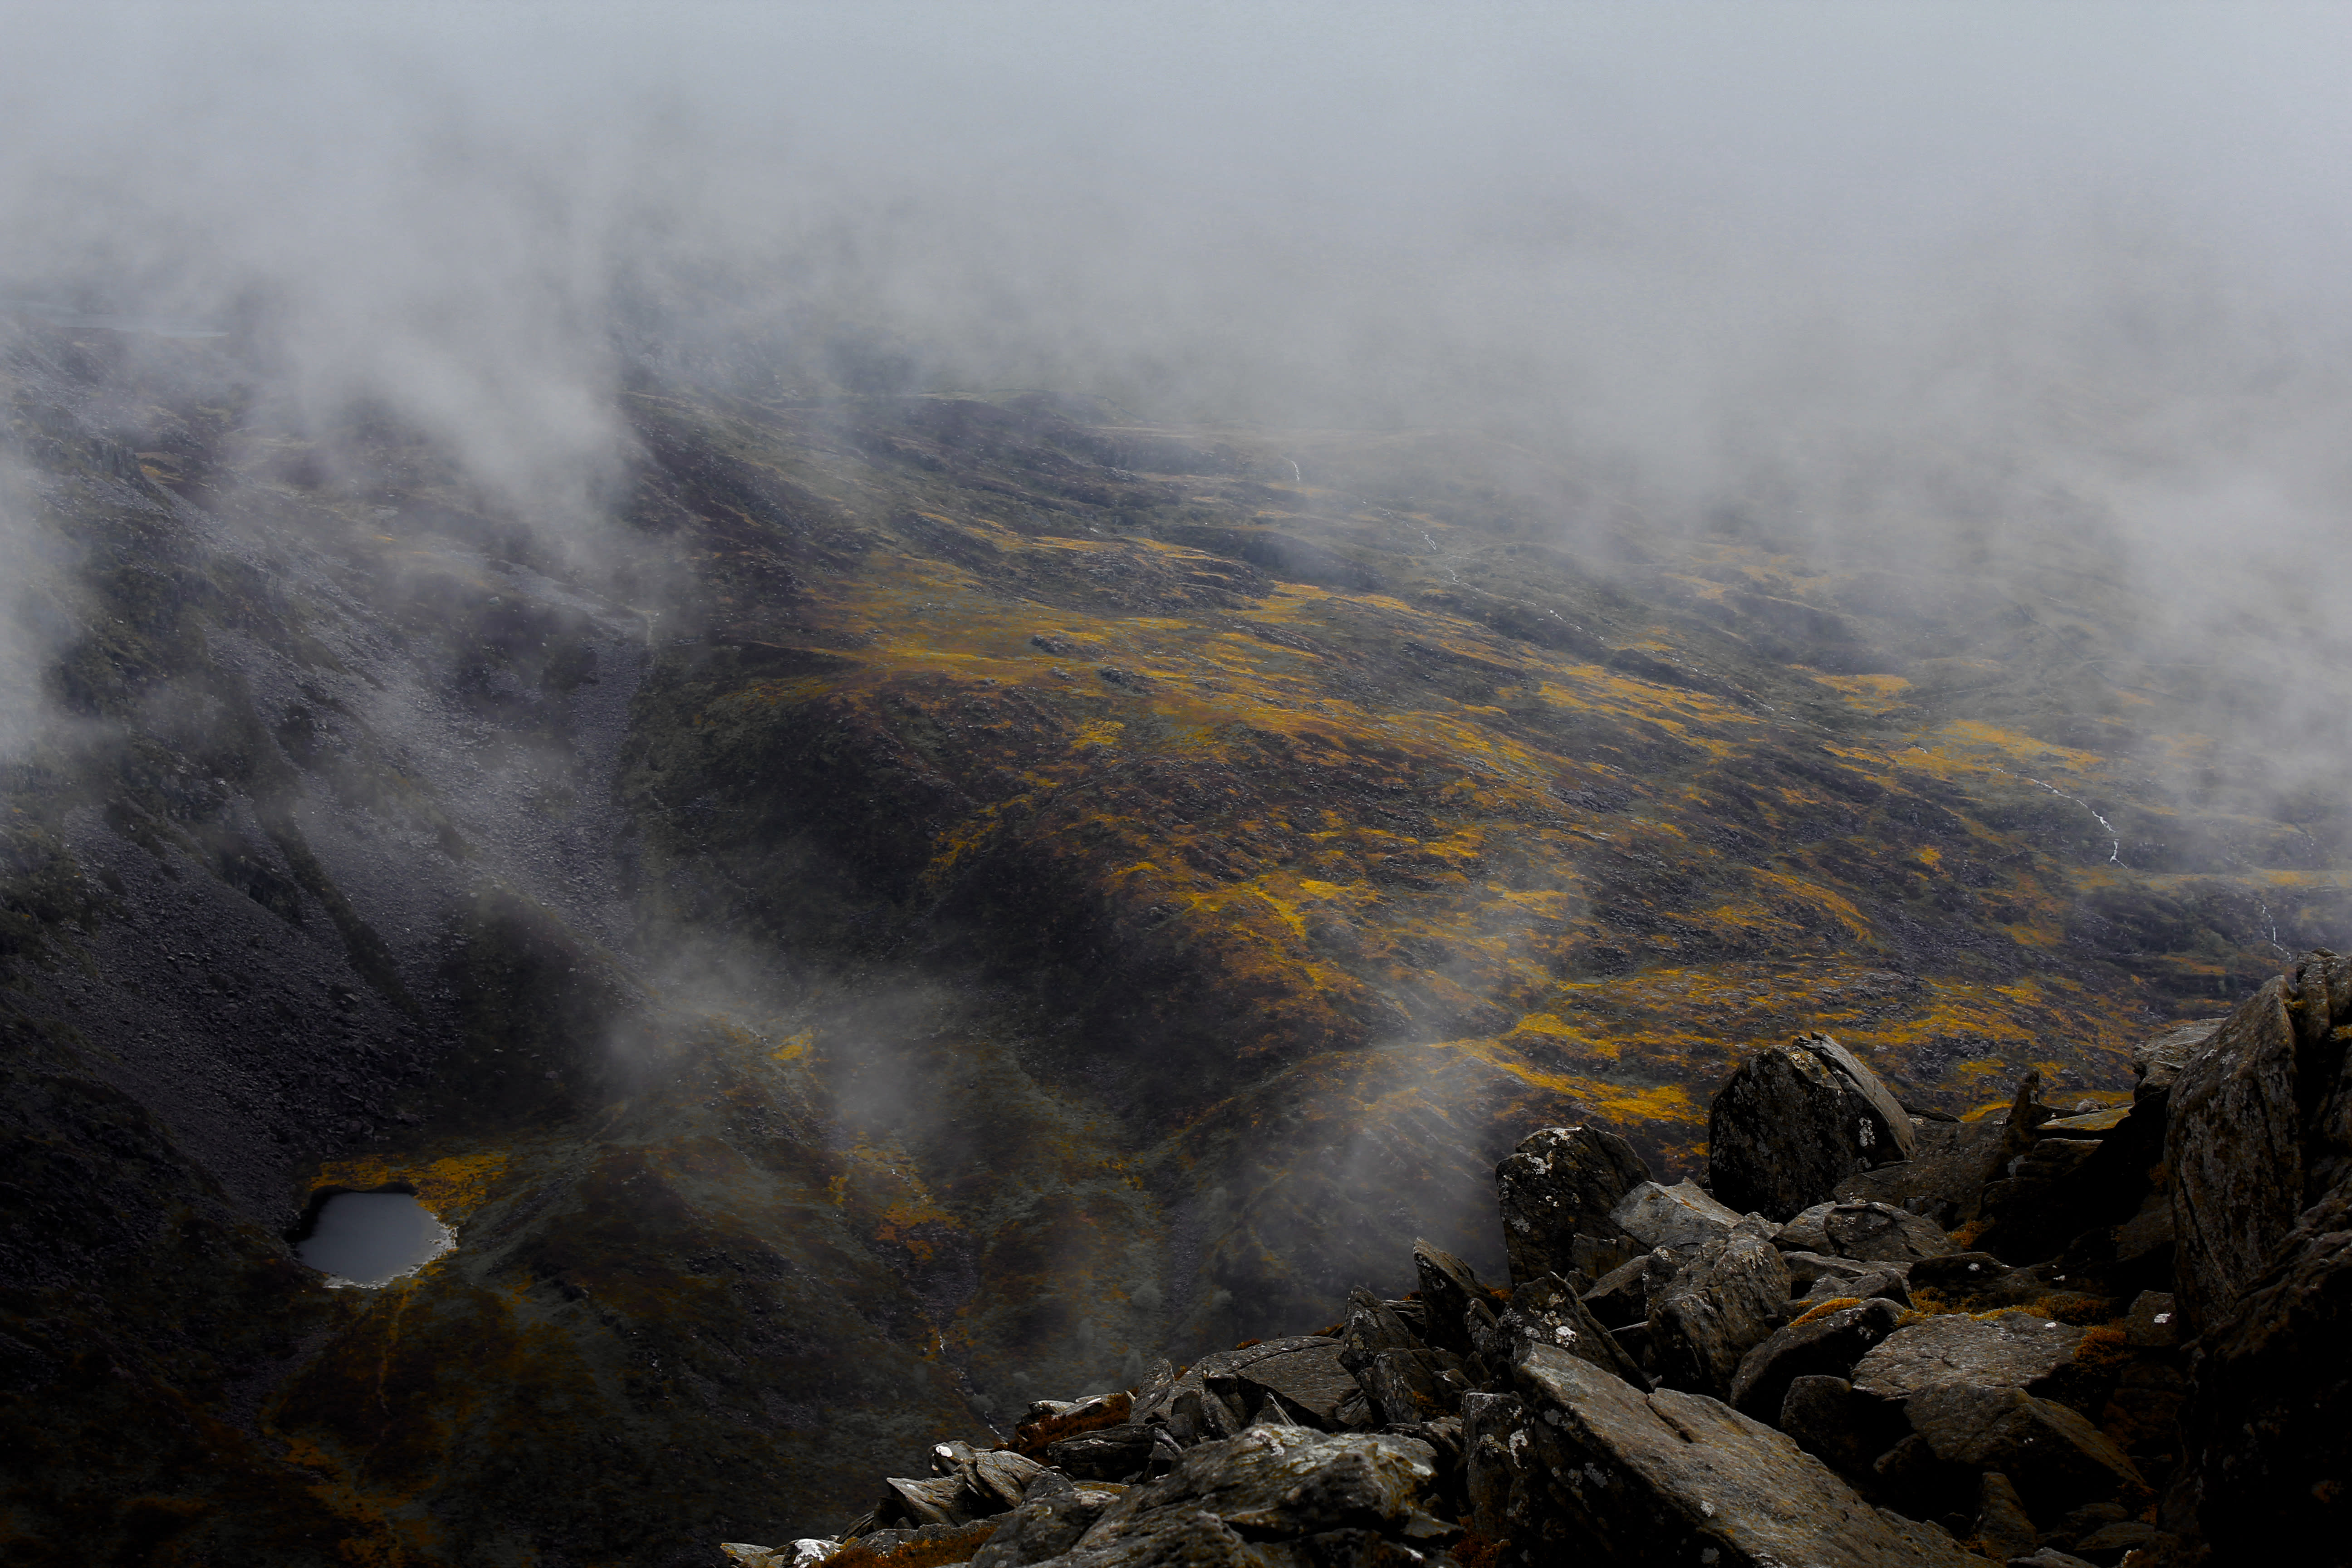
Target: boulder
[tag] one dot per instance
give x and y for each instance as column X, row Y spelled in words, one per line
column 1868, row 1232
column 1728, row 1298
column 1883, row 1280
column 1680, row 1218
column 1546, row 1310
column 1622, row 1296
column 1795, row 1120
column 1844, row 1429
column 1106, row 1454
column 1309, row 1379
column 1942, row 1179
column 1828, row 1346
column 1272, row 1485
column 1046, row 1526
column 2016, row 1350
column 2004, row 1529
column 1955, row 1273
column 1447, row 1288
column 1580, row 1467
column 2057, row 1458
column 1557, row 1190
column 1226, row 1370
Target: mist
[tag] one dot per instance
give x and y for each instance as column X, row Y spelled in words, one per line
column 1832, row 253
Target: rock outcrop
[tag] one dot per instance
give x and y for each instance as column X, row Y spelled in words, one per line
column 1846, row 1383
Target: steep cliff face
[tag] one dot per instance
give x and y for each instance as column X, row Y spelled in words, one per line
column 922, row 902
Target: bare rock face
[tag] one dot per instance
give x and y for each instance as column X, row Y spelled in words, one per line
column 2237, row 1145
column 1557, row 1190
column 1797, row 1119
column 1728, row 1298
column 1546, row 1310
column 1580, row 1466
column 2016, row 1350
column 1870, row 1232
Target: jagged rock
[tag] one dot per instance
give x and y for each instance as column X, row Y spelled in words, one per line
column 1545, row 1310
column 929, row 1500
column 1109, row 1454
column 2016, row 1350
column 1582, row 1466
column 2236, row 1144
column 1796, row 1119
column 1274, row 1484
column 1403, row 1380
column 1731, row 1296
column 1622, row 1296
column 1827, row 1346
column 2267, row 1449
column 1869, row 1232
column 1220, row 1379
column 1046, row 1526
column 2004, row 1529
column 1680, row 1217
column 1941, row 1180
column 1557, row 1190
column 1309, row 1379
column 2055, row 1456
column 1844, row 1429
column 1447, row 1288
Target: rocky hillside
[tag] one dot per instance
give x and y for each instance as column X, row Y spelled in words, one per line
column 2111, row 1338
column 877, row 908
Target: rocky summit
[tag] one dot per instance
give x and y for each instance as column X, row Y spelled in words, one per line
column 2137, row 1357
column 879, row 907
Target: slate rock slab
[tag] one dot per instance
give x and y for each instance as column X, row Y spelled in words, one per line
column 1605, row 1473
column 1796, row 1119
column 1556, row 1191
column 1681, row 1218
column 1869, row 1232
column 2016, row 1350
column 1827, row 1346
column 2054, row 1457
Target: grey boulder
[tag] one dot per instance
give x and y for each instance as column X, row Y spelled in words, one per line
column 1868, row 1232
column 1556, row 1190
column 1681, row 1218
column 1728, row 1298
column 1795, row 1120
column 1826, row 1346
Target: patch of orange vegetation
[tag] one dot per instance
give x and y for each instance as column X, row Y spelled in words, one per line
column 451, row 1186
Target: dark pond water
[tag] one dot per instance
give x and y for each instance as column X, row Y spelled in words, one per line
column 374, row 1238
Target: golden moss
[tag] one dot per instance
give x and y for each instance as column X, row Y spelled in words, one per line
column 451, row 1186
column 1823, row 1309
